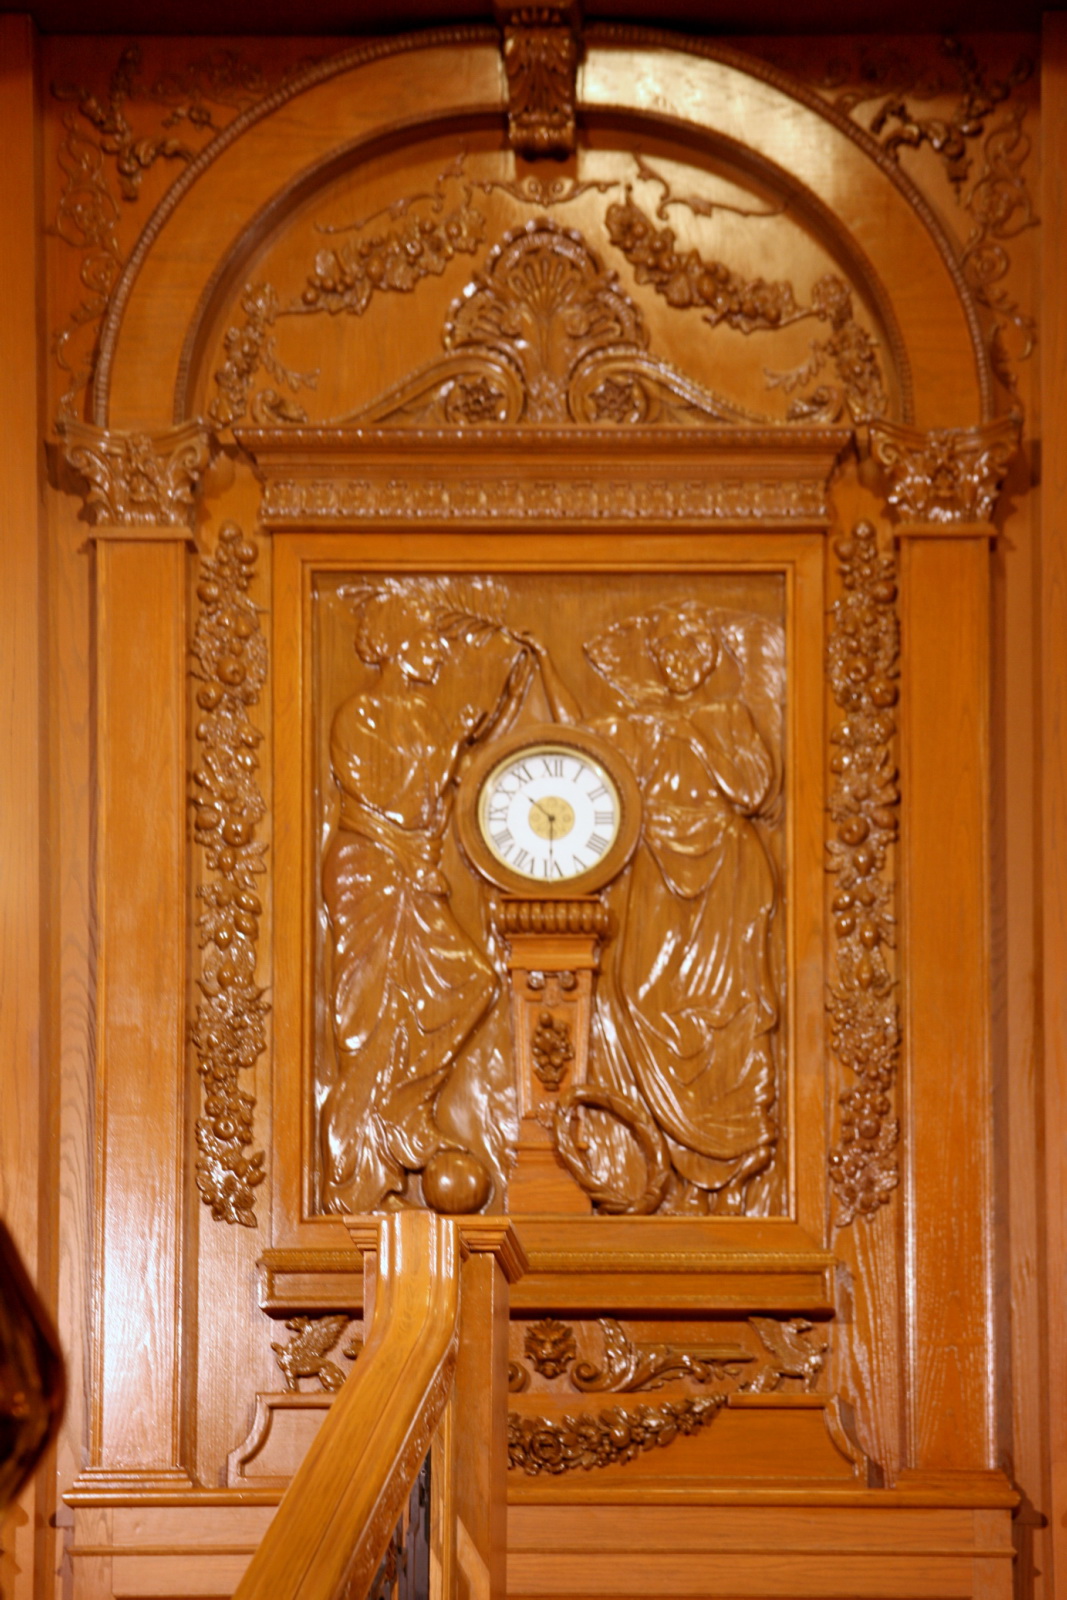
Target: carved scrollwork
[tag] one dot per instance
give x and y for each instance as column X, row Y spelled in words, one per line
column 864, row 1014
column 946, row 474
column 98, row 131
column 724, row 296
column 612, row 1437
column 998, row 200
column 138, row 479
column 540, row 47
column 227, row 1032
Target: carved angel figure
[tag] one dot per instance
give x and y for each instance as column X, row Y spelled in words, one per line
column 687, row 1004
column 410, row 986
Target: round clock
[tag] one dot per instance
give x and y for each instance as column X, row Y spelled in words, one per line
column 550, row 807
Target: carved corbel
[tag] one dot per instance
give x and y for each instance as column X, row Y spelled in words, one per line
column 138, row 480
column 945, row 475
column 540, row 47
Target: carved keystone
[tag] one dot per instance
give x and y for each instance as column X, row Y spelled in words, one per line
column 540, row 48
column 139, row 479
column 946, row 474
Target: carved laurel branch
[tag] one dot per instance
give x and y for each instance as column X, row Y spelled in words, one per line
column 864, row 1014
column 607, row 1438
column 228, row 1031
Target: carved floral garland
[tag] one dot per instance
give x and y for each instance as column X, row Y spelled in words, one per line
column 227, row 1032
column 604, row 1439
column 864, row 1014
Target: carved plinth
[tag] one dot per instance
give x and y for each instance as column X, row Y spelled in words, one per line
column 552, row 952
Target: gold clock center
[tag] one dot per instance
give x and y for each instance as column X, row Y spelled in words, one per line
column 551, row 817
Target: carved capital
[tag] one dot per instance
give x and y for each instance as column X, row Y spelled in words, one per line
column 946, row 474
column 540, row 47
column 139, row 480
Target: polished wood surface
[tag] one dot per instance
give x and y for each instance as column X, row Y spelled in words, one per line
column 308, row 310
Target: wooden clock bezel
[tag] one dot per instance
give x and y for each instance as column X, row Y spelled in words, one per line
column 485, row 761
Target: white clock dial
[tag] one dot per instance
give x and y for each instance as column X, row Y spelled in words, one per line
column 549, row 812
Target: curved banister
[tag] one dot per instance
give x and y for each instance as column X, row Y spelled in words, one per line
column 338, row 1514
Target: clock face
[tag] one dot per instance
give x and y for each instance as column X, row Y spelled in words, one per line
column 549, row 812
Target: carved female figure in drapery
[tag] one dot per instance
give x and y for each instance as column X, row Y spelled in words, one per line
column 687, row 1004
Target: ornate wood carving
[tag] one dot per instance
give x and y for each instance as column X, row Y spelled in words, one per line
column 754, row 304
column 997, row 202
column 138, row 479
column 541, row 48
column 306, row 1353
column 478, row 499
column 227, row 1032
column 98, row 130
column 556, row 1445
column 545, row 334
column 864, row 1013
column 946, row 474
column 786, row 1352
column 684, row 1058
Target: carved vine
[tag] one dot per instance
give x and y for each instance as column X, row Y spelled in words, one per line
column 99, row 134
column 688, row 279
column 790, row 1353
column 864, row 1014
column 228, row 1027
column 997, row 201
column 607, row 1438
column 428, row 233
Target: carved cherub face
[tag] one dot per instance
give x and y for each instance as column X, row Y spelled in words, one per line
column 684, row 657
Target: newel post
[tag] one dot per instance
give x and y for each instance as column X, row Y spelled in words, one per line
column 469, row 1465
column 943, row 486
column 140, row 502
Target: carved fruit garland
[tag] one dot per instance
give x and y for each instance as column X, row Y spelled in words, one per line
column 605, row 1439
column 864, row 1015
column 227, row 1032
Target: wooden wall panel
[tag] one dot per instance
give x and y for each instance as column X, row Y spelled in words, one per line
column 26, row 1125
column 1053, row 802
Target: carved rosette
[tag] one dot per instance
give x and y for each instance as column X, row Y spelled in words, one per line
column 227, row 1033
column 864, row 1014
column 138, row 479
column 946, row 474
column 540, row 47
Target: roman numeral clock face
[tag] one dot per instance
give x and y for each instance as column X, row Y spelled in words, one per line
column 549, row 814
column 552, row 813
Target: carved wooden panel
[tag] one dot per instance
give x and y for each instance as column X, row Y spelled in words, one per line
column 685, row 680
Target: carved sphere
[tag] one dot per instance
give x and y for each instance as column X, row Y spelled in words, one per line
column 455, row 1182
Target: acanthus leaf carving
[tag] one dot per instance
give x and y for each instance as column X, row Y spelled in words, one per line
column 864, row 1013
column 945, row 474
column 138, row 479
column 228, row 1025
column 556, row 1445
column 540, row 49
